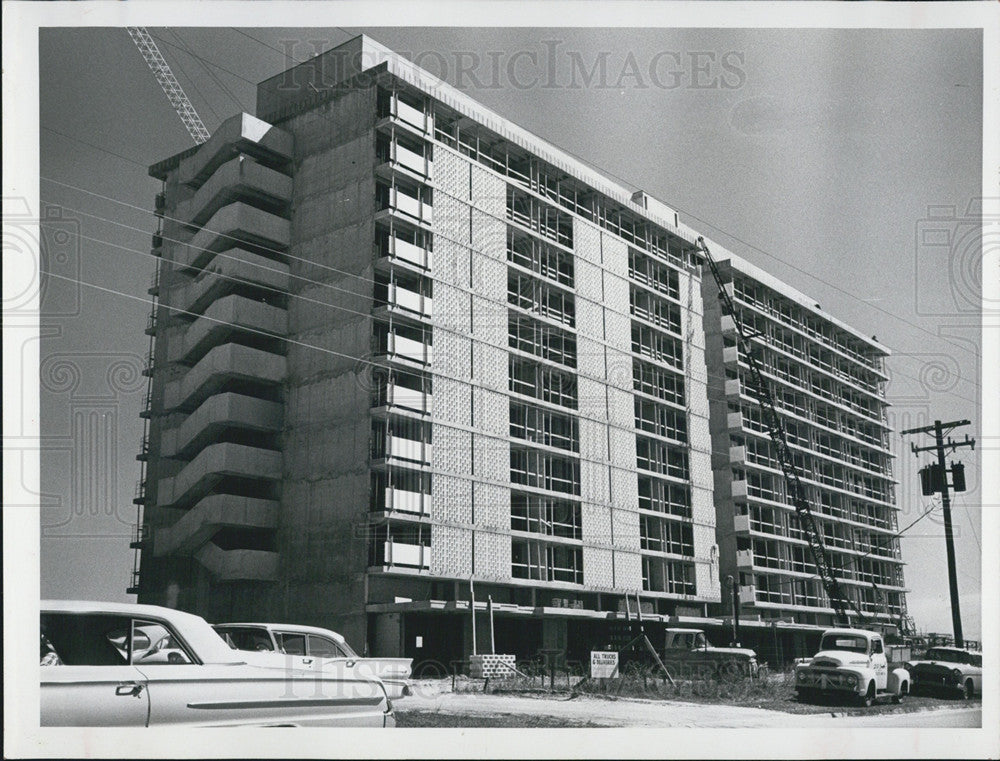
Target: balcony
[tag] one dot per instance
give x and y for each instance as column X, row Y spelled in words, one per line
column 216, row 414
column 730, row 355
column 214, row 463
column 414, row 117
column 410, row 555
column 408, row 252
column 737, row 455
column 228, row 316
column 748, row 595
column 238, row 565
column 404, row 302
column 411, row 502
column 394, row 395
column 414, row 162
column 241, row 178
column 400, row 448
column 216, row 511
column 744, row 559
column 734, row 422
column 728, row 326
column 240, row 134
column 738, row 489
column 233, row 226
column 741, row 524
column 229, row 363
column 411, row 206
column 407, row 348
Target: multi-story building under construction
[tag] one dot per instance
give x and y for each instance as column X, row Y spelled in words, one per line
column 404, row 352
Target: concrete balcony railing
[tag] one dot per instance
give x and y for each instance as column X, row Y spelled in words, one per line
column 403, row 298
column 741, row 524
column 748, row 595
column 728, row 326
column 733, row 387
column 412, row 555
column 399, row 448
column 411, row 116
column 737, row 455
column 409, row 252
column 242, row 133
column 224, row 272
column 394, row 395
column 233, row 226
column 214, row 463
column 216, row 414
column 216, row 511
column 229, row 315
column 744, row 558
column 407, row 348
column 730, row 355
column 738, row 489
column 237, row 178
column 734, row 421
column 413, row 207
column 412, row 502
column 238, row 565
column 226, row 363
column 411, row 160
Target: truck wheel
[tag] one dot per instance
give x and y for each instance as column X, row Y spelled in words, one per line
column 898, row 697
column 868, row 699
column 967, row 690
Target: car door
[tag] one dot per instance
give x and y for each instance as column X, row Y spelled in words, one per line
column 90, row 682
column 240, row 694
column 880, row 664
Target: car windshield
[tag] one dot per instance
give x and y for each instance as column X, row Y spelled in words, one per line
column 853, row 642
column 948, row 656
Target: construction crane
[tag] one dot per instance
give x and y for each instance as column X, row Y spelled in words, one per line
column 776, row 431
column 172, row 88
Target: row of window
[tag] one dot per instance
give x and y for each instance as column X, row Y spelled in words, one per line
column 544, row 426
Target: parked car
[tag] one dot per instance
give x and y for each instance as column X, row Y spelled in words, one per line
column 948, row 669
column 314, row 647
column 851, row 663
column 116, row 664
column 688, row 650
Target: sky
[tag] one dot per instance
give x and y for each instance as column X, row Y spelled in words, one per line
column 848, row 163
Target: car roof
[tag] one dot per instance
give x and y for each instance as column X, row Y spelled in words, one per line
column 293, row 628
column 208, row 645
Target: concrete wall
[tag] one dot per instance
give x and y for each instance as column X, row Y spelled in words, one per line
column 325, row 498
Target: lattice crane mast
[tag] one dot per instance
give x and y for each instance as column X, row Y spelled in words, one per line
column 171, row 87
column 776, row 431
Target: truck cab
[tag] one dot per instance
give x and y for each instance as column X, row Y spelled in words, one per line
column 690, row 648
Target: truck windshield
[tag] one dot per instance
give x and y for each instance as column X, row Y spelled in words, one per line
column 853, row 643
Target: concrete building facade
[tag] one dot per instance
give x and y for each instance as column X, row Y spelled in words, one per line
column 828, row 383
column 404, row 353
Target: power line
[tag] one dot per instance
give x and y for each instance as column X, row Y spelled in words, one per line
column 368, row 280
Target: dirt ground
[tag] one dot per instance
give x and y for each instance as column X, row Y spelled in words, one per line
column 649, row 702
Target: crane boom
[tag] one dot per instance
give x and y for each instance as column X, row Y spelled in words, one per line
column 171, row 87
column 776, row 432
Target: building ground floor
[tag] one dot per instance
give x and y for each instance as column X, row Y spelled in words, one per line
column 439, row 636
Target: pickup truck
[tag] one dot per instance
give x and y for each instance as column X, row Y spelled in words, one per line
column 851, row 663
column 688, row 650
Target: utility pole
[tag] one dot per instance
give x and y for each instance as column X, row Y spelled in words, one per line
column 935, row 479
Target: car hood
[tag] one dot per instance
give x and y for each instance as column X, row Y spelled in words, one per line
column 942, row 665
column 838, row 658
